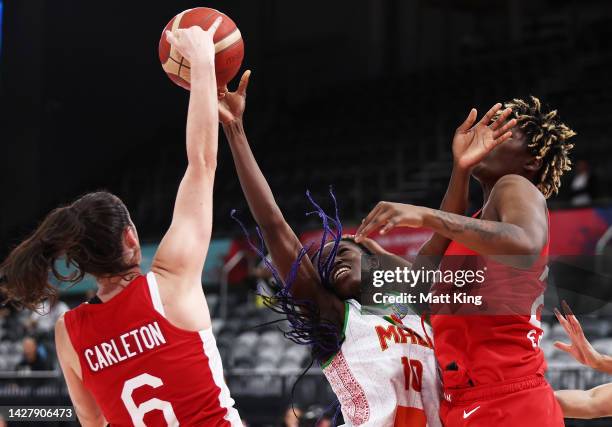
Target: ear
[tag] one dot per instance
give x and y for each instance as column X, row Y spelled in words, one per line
column 130, row 237
column 533, row 165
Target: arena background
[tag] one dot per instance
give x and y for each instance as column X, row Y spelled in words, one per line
column 362, row 95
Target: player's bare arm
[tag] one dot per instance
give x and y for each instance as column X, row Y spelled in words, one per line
column 515, row 220
column 471, row 142
column 586, row 404
column 280, row 239
column 85, row 406
column 179, row 260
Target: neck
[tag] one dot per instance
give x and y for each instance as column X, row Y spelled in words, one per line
column 487, row 187
column 108, row 287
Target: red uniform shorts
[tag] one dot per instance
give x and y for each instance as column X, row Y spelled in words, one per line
column 523, row 402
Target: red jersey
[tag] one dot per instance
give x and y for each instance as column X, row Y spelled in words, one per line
column 144, row 371
column 475, row 349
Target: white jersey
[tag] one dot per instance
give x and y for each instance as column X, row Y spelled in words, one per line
column 385, row 375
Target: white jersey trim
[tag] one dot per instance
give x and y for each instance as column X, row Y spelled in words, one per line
column 154, row 291
column 216, row 368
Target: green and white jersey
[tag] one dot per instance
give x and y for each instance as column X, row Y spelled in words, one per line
column 385, row 374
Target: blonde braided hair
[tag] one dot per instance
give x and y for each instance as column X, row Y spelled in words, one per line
column 547, row 137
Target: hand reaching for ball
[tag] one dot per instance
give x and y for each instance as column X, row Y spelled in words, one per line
column 232, row 104
column 195, row 44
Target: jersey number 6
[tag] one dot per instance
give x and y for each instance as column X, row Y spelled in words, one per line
column 137, row 413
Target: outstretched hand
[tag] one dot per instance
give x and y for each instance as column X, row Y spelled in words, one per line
column 387, row 215
column 232, row 104
column 580, row 348
column 472, row 143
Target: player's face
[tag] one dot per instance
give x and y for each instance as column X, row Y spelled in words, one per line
column 345, row 277
column 510, row 157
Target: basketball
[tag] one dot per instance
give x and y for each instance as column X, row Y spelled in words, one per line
column 229, row 47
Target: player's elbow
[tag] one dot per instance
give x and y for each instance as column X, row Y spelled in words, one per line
column 203, row 162
column 529, row 252
column 91, row 420
column 599, row 406
column 201, row 153
column 525, row 251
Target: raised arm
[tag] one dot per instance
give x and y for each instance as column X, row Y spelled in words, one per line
column 520, row 227
column 281, row 241
column 519, row 209
column 470, row 144
column 180, row 258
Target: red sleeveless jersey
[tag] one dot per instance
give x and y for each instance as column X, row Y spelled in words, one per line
column 144, row 371
column 475, row 349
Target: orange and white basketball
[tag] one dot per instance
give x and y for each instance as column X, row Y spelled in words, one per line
column 229, row 47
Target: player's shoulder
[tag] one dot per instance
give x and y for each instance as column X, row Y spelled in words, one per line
column 60, row 325
column 61, row 320
column 517, row 185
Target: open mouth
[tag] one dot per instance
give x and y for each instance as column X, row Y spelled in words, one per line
column 341, row 272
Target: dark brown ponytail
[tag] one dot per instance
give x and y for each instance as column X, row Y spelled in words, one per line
column 89, row 236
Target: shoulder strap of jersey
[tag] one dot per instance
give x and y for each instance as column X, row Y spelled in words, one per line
column 71, row 321
column 154, row 292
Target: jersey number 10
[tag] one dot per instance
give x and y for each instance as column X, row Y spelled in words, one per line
column 413, row 374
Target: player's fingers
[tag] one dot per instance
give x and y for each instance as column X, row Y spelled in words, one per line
column 469, row 121
column 244, row 83
column 367, row 219
column 575, row 324
column 563, row 321
column 501, row 119
column 566, row 308
column 505, row 128
column 372, row 222
column 375, row 223
column 391, row 223
column 563, row 346
column 215, row 25
column 171, row 37
column 364, row 229
column 571, row 319
column 486, row 119
column 502, row 138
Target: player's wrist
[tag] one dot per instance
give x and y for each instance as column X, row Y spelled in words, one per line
column 233, row 127
column 427, row 216
column 601, row 362
column 202, row 62
column 458, row 167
